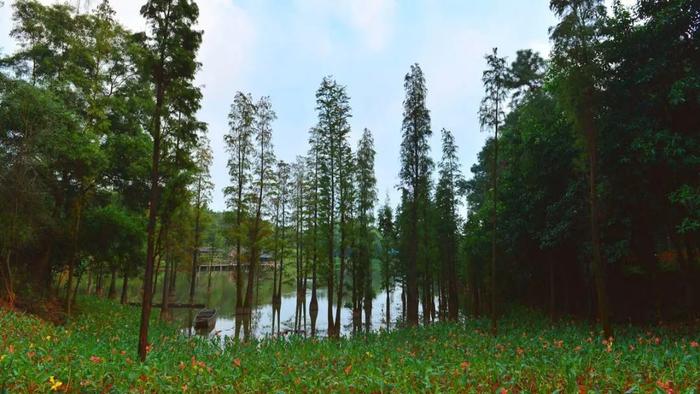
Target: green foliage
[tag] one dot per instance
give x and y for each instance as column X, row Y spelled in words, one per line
column 95, row 353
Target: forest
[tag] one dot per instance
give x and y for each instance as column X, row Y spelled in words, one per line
column 567, row 259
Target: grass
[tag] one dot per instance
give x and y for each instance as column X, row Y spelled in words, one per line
column 96, row 353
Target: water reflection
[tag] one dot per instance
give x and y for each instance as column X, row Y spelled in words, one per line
column 290, row 316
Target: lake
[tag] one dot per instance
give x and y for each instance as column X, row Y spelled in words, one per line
column 218, row 291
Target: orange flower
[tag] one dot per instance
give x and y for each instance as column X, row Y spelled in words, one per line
column 237, row 362
column 608, row 343
column 348, row 369
column 96, row 359
column 666, row 386
column 465, row 364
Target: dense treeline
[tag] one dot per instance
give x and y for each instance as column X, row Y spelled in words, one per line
column 584, row 201
column 104, row 165
column 597, row 169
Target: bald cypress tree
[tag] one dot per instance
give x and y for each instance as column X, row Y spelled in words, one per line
column 263, row 172
column 447, row 200
column 366, row 198
column 416, row 166
column 202, row 196
column 330, row 142
column 239, row 144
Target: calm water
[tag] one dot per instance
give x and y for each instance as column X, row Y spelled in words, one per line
column 222, row 296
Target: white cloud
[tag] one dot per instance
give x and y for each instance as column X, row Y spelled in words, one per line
column 373, row 18
column 372, row 21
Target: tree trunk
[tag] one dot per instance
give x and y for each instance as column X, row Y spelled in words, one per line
column 113, row 284
column 164, row 292
column 195, row 250
column 88, row 287
column 552, row 312
column 125, row 286
column 494, row 220
column 152, row 210
column 72, row 260
column 597, row 263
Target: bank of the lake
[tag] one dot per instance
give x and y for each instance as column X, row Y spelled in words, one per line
column 96, row 353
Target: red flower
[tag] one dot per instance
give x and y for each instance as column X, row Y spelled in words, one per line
column 95, row 359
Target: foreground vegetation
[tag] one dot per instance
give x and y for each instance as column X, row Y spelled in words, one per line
column 95, row 352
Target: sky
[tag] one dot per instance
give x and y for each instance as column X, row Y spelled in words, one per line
column 283, row 48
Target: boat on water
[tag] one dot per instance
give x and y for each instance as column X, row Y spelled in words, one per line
column 205, row 319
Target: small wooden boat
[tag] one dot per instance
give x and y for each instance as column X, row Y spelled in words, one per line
column 205, row 319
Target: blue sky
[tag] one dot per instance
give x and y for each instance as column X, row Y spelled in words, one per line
column 282, row 49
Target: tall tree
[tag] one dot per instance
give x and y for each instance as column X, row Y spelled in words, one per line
column 447, row 199
column 313, row 164
column 299, row 184
column 202, row 195
column 366, row 199
column 283, row 187
column 333, row 108
column 239, row 143
column 416, row 166
column 491, row 116
column 171, row 66
column 577, row 58
column 387, row 230
column 264, row 159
